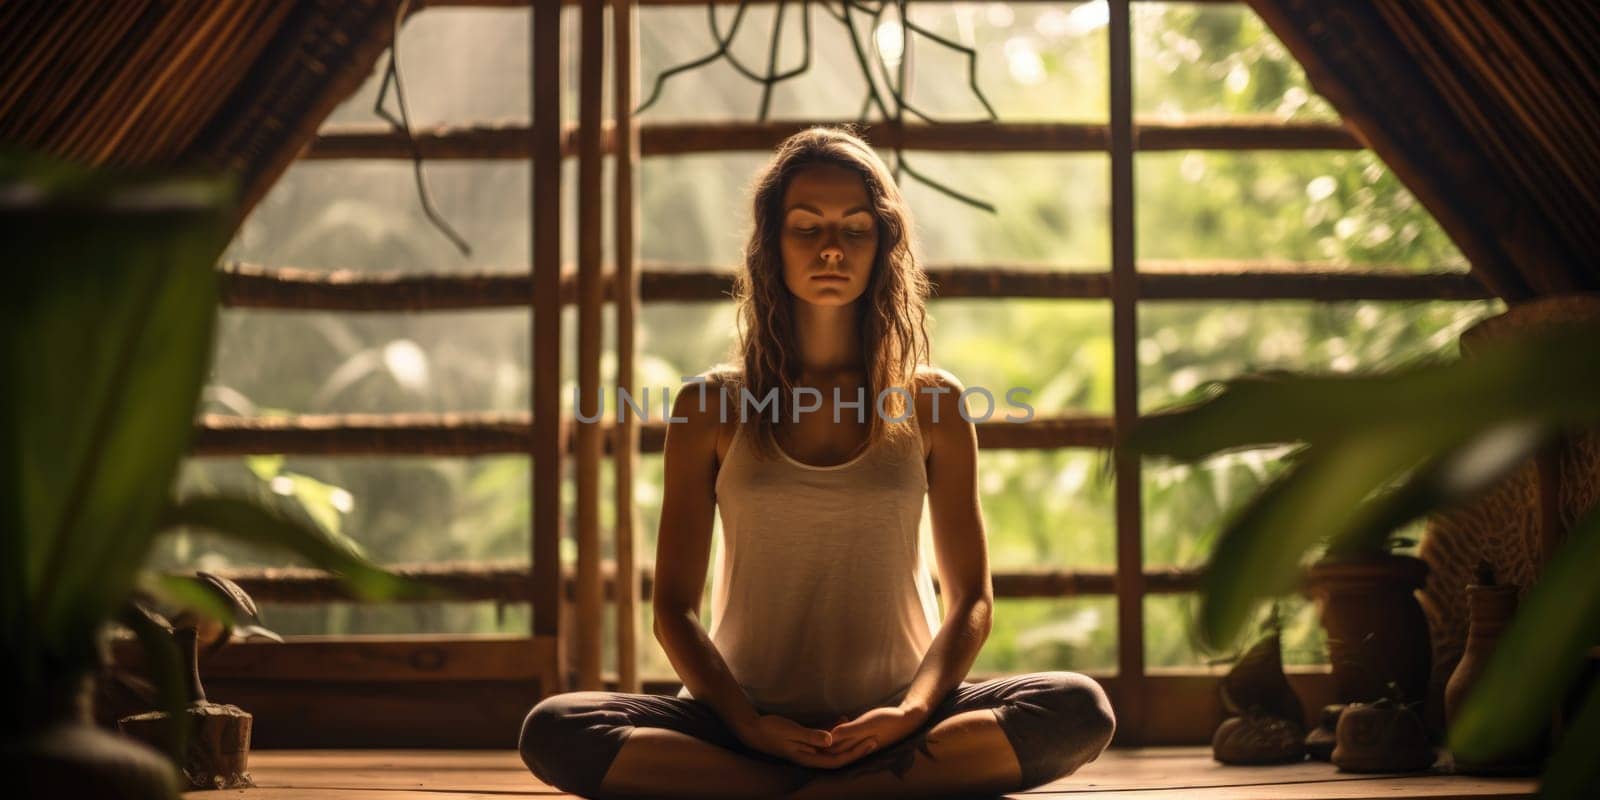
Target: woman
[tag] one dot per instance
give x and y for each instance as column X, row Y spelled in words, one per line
column 828, row 671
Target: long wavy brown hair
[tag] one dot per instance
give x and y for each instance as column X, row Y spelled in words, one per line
column 891, row 313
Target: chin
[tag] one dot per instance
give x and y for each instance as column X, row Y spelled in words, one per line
column 830, row 298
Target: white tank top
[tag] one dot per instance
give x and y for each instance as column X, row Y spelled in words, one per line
column 821, row 602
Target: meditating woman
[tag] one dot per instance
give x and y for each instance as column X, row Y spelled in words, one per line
column 828, row 671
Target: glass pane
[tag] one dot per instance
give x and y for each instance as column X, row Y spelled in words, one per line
column 1336, row 208
column 354, row 619
column 1059, row 351
column 1050, row 210
column 1185, row 505
column 696, row 209
column 1047, row 509
column 1182, row 345
column 1076, row 633
column 467, row 65
column 1211, row 60
column 679, row 339
column 1170, row 638
column 277, row 362
column 366, row 216
column 1033, row 62
column 397, row 510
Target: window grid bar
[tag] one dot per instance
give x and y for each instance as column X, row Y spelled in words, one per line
column 1124, row 338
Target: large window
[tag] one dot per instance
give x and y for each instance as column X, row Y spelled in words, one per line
column 1172, row 255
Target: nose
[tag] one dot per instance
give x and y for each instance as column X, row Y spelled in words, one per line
column 832, row 252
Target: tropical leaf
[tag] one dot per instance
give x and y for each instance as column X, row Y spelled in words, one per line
column 106, row 337
column 1552, row 376
column 1380, row 451
column 1259, row 551
column 1573, row 773
column 264, row 526
column 188, row 592
column 165, row 666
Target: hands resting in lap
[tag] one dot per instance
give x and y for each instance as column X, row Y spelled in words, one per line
column 848, row 741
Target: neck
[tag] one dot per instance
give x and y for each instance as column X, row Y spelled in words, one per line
column 829, row 338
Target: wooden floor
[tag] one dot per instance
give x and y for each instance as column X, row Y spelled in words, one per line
column 1170, row 773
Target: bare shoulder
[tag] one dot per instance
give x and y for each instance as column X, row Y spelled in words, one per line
column 939, row 412
column 698, row 423
column 939, row 377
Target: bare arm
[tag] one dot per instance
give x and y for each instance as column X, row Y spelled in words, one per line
column 962, row 550
column 682, row 551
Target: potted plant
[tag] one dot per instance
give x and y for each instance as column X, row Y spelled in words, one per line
column 1380, row 450
column 105, row 338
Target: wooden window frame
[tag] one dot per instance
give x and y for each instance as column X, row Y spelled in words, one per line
column 441, row 674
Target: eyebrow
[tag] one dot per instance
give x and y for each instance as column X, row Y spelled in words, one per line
column 814, row 210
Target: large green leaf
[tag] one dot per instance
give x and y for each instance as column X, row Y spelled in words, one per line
column 268, row 526
column 106, row 337
column 165, row 665
column 1259, row 550
column 1380, row 450
column 1573, row 772
column 1539, row 656
column 1552, row 376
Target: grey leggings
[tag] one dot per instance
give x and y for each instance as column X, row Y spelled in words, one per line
column 1056, row 722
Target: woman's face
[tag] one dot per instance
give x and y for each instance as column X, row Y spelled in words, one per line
column 829, row 235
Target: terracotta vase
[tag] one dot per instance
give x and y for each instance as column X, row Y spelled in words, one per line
column 1377, row 634
column 54, row 749
column 1489, row 610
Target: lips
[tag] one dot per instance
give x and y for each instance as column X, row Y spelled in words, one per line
column 830, row 277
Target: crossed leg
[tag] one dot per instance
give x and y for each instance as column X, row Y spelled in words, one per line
column 1003, row 735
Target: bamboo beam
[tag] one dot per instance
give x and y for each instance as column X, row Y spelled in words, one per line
column 1130, row 589
column 451, row 434
column 1247, row 134
column 484, row 434
column 586, row 473
column 510, row 140
column 481, row 140
column 624, row 290
column 545, row 206
column 1225, row 281
column 508, row 582
column 252, row 286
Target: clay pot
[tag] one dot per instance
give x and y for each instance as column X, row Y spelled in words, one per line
column 54, row 749
column 1489, row 611
column 1381, row 737
column 1377, row 633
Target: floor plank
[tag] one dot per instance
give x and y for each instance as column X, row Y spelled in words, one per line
column 1167, row 773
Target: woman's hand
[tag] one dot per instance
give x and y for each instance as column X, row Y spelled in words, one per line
column 783, row 737
column 878, row 728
